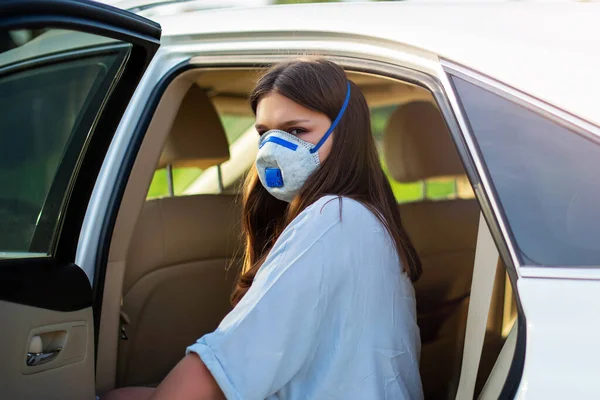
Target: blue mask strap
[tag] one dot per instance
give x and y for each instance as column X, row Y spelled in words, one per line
column 335, row 122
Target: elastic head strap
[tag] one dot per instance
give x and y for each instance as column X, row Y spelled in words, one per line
column 335, row 121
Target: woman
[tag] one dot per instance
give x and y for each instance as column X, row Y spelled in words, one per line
column 324, row 307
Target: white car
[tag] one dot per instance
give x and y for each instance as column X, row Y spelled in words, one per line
column 488, row 121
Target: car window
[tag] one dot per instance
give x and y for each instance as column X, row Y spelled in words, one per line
column 184, row 178
column 545, row 176
column 49, row 99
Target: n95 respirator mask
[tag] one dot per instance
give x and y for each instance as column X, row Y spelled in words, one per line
column 285, row 162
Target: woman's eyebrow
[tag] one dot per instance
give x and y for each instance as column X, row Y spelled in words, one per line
column 292, row 122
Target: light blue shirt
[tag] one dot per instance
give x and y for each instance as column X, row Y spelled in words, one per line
column 329, row 315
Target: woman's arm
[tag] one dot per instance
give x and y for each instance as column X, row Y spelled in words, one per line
column 189, row 380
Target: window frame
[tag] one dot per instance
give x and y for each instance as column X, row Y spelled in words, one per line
column 395, row 62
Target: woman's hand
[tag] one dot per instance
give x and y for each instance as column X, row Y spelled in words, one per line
column 189, row 380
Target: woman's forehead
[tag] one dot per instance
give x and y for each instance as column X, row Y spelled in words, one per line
column 274, row 108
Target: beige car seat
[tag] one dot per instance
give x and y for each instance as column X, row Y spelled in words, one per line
column 177, row 283
column 418, row 146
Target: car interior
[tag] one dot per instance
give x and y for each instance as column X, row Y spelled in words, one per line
column 174, row 257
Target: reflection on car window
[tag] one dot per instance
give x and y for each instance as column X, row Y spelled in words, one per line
column 34, row 44
column 545, row 175
column 47, row 110
column 12, row 39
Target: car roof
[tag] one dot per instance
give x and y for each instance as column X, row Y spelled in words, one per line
column 547, row 50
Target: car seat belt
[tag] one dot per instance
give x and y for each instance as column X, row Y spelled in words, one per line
column 484, row 272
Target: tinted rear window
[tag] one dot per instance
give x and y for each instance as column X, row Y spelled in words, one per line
column 545, row 176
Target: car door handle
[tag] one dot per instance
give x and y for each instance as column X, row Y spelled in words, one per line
column 34, row 359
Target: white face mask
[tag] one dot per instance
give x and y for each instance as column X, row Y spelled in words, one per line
column 284, row 162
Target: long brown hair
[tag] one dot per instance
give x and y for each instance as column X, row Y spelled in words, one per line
column 352, row 168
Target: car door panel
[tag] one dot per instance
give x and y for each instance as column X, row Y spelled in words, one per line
column 68, row 376
column 67, row 71
column 52, row 301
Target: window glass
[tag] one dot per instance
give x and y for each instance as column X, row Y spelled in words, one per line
column 236, row 125
column 49, row 99
column 545, row 175
column 183, row 178
column 431, row 189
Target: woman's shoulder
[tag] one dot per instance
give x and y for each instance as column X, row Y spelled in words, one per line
column 340, row 209
column 328, row 218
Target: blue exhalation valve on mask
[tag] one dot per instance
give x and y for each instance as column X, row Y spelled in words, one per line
column 273, row 177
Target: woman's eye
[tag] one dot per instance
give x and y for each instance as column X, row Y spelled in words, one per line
column 297, row 131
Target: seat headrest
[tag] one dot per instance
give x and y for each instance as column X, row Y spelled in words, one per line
column 417, row 144
column 197, row 137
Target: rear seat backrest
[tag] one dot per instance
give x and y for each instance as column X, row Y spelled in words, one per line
column 176, row 230
column 418, row 146
column 176, row 286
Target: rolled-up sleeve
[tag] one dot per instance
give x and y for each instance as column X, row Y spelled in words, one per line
column 270, row 334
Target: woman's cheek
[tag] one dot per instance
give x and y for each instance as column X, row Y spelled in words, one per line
column 325, row 149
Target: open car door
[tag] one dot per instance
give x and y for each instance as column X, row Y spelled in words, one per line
column 67, row 72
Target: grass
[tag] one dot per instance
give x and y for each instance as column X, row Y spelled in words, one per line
column 415, row 191
column 404, row 192
column 182, row 178
column 441, row 189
